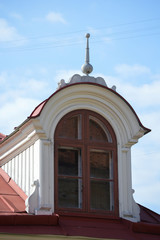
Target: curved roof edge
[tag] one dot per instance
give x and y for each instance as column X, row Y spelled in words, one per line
column 37, row 111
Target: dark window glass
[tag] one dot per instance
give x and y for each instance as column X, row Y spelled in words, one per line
column 71, row 128
column 101, row 196
column 101, row 164
column 69, row 193
column 69, row 162
column 98, row 131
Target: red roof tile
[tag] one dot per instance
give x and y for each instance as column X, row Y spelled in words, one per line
column 12, row 198
column 38, row 109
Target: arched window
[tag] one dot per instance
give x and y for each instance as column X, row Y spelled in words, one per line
column 85, row 165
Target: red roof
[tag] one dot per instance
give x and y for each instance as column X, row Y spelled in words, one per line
column 14, row 219
column 38, row 109
column 11, row 196
column 148, row 216
column 12, row 205
column 94, row 228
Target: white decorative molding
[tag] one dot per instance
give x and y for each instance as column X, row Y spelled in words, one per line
column 21, row 139
column 84, row 79
column 77, row 79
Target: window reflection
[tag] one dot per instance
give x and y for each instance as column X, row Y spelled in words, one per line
column 69, row 193
column 69, row 162
column 101, row 196
column 101, row 164
column 71, row 128
column 98, row 131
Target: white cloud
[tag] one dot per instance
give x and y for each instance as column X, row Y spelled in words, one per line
column 151, row 120
column 15, row 112
column 55, row 17
column 20, row 94
column 9, row 33
column 126, row 70
column 141, row 97
column 145, row 95
column 34, row 85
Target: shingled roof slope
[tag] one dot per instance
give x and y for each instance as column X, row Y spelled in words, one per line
column 12, row 198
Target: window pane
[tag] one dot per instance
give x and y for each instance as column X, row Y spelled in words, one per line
column 101, row 196
column 71, row 128
column 101, row 164
column 98, row 131
column 70, row 193
column 69, row 162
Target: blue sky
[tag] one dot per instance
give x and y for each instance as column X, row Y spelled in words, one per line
column 42, row 42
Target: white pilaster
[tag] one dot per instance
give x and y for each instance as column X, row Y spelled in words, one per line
column 46, row 171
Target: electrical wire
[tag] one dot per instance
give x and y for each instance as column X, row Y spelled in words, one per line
column 84, row 30
column 73, row 37
column 63, row 44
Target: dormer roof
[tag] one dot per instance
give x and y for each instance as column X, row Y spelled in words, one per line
column 85, row 80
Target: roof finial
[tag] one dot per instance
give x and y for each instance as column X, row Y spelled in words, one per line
column 87, row 67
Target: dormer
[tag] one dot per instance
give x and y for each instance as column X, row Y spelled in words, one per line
column 72, row 156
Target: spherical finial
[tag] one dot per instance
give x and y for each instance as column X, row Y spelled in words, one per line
column 87, row 35
column 87, row 68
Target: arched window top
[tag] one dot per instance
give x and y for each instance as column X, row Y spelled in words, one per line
column 98, row 131
column 83, row 123
column 70, row 127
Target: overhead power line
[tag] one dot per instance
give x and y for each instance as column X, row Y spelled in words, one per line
column 73, row 38
column 84, row 30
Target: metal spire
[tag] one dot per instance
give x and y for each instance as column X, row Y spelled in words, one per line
column 87, row 67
